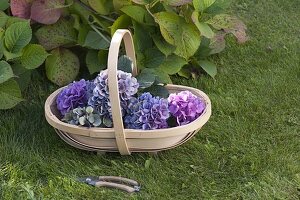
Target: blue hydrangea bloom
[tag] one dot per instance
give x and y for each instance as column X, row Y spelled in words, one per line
column 147, row 112
column 128, row 86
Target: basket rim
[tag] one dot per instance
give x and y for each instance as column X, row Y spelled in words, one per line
column 130, row 133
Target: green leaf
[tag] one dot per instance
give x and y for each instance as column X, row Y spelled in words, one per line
column 162, row 45
column 94, row 41
column 176, row 31
column 142, row 2
column 62, row 66
column 161, row 76
column 4, row 4
column 158, row 90
column 33, row 56
column 125, row 64
column 201, row 5
column 10, row 94
column 177, row 2
column 103, row 7
column 23, row 75
column 153, row 58
column 145, row 79
column 59, row 34
column 204, row 28
column 17, row 36
column 141, row 38
column 3, row 19
column 118, row 4
column 11, row 56
column 172, row 64
column 5, row 71
column 13, row 20
column 209, row 67
column 185, row 72
column 93, row 61
column 138, row 13
column 121, row 22
column 82, row 33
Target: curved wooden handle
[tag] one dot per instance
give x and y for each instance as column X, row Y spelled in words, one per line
column 116, row 185
column 112, row 66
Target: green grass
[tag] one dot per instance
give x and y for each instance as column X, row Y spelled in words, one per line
column 250, row 148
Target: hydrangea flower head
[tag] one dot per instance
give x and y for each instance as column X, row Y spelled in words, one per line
column 147, row 112
column 74, row 95
column 128, row 86
column 185, row 107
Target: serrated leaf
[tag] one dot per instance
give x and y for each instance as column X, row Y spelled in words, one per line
column 141, row 37
column 94, row 41
column 209, row 67
column 145, row 79
column 121, row 22
column 204, row 28
column 153, row 58
column 158, row 90
column 94, row 62
column 118, row 4
column 5, row 71
column 185, row 72
column 4, row 4
column 201, row 5
column 23, row 76
column 58, row 34
column 17, row 36
column 20, row 8
column 172, row 64
column 176, row 31
column 10, row 94
column 33, row 56
column 46, row 12
column 11, row 56
column 13, row 20
column 177, row 2
column 3, row 19
column 142, row 2
column 162, row 45
column 125, row 64
column 138, row 13
column 62, row 66
column 103, row 7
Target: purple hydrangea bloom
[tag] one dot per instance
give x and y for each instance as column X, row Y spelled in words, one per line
column 128, row 86
column 185, row 107
column 147, row 112
column 75, row 95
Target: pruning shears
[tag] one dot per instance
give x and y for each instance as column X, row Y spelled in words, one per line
column 116, row 182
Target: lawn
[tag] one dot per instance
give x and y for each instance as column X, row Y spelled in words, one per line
column 250, row 148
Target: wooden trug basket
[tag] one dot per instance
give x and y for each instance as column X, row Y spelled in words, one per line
column 118, row 139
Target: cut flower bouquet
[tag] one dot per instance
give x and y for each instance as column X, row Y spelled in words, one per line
column 86, row 103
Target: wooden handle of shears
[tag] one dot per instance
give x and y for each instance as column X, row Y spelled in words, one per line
column 118, row 179
column 115, row 185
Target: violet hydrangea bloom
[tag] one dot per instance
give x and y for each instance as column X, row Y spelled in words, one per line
column 128, row 86
column 75, row 95
column 185, row 107
column 147, row 112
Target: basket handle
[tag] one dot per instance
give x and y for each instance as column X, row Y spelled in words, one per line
column 112, row 65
